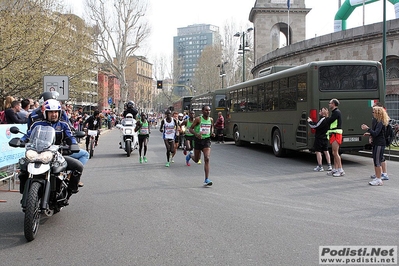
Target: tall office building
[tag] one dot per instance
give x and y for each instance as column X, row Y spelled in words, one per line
column 187, row 48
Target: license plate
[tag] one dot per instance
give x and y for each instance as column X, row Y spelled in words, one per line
column 351, row 139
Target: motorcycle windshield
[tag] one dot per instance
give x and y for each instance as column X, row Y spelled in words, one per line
column 128, row 122
column 41, row 138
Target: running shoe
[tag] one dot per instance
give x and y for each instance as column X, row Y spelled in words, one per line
column 376, row 182
column 188, row 157
column 207, row 182
column 318, row 169
column 333, row 171
column 145, row 159
column 383, row 177
column 336, row 174
column 329, row 168
column 171, row 160
column 141, row 160
column 199, row 161
column 167, row 164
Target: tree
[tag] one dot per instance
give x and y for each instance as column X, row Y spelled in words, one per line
column 35, row 41
column 120, row 29
column 207, row 74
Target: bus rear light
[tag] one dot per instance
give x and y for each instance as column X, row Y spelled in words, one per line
column 313, row 116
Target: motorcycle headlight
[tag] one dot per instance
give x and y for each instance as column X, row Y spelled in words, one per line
column 128, row 131
column 44, row 157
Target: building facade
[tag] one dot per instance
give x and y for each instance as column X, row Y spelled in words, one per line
column 187, row 48
column 140, row 83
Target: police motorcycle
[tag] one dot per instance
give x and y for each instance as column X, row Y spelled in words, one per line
column 129, row 139
column 45, row 190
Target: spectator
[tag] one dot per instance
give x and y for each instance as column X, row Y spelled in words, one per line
column 219, row 126
column 320, row 145
column 8, row 101
column 24, row 112
column 378, row 141
column 12, row 114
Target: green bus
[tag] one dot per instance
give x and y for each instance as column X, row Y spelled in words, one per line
column 215, row 99
column 273, row 109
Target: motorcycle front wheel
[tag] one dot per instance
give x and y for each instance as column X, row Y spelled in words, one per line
column 128, row 146
column 32, row 212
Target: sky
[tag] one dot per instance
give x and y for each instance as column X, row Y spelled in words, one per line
column 165, row 16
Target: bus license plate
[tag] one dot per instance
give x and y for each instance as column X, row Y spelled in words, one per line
column 351, row 139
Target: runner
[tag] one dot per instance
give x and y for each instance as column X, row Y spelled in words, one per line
column 143, row 128
column 189, row 137
column 177, row 135
column 168, row 127
column 202, row 128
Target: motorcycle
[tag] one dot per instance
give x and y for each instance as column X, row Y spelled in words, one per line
column 129, row 138
column 45, row 191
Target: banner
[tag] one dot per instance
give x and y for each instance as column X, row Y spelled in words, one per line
column 10, row 155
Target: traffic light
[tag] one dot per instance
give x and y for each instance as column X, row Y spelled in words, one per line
column 159, row 84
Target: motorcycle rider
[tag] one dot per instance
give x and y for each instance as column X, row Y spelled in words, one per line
column 51, row 117
column 130, row 108
column 93, row 123
column 128, row 120
column 37, row 114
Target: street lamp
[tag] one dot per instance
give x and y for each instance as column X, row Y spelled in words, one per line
column 222, row 72
column 244, row 47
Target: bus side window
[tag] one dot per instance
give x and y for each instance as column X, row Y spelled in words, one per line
column 302, row 87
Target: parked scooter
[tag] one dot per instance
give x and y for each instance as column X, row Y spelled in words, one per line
column 129, row 140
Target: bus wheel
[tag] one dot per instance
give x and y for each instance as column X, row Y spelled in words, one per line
column 277, row 144
column 236, row 135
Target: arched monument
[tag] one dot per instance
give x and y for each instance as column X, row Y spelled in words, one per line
column 270, row 17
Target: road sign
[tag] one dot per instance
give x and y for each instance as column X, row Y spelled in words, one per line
column 110, row 100
column 59, row 84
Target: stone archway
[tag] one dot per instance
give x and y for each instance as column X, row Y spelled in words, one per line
column 271, row 17
column 276, row 32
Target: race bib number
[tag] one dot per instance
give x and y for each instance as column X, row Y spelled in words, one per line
column 144, row 130
column 205, row 129
column 169, row 130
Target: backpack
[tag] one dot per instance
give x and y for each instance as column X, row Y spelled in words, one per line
column 3, row 119
column 389, row 135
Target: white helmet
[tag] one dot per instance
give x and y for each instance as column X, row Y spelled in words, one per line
column 129, row 115
column 52, row 105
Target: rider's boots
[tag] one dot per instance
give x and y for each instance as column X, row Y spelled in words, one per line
column 74, row 181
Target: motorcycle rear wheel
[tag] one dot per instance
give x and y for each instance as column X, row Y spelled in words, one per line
column 32, row 212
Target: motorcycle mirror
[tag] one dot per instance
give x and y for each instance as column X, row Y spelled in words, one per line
column 15, row 142
column 14, row 130
column 80, row 134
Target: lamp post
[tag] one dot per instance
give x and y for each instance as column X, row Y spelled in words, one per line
column 244, row 47
column 222, row 72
